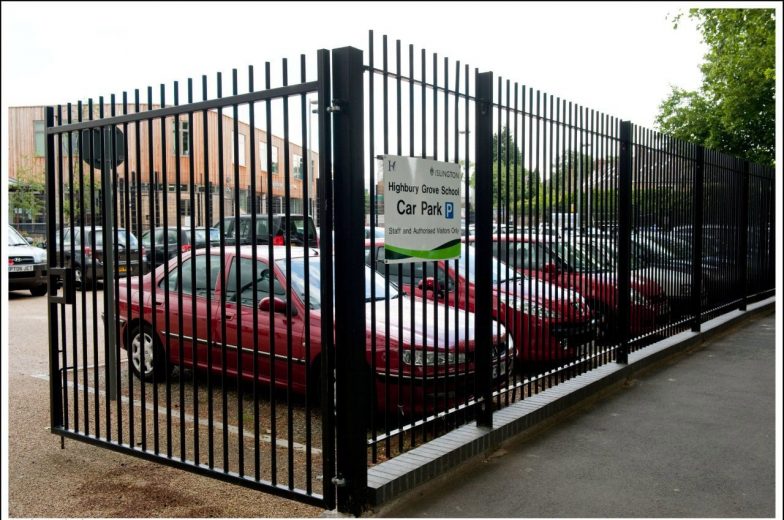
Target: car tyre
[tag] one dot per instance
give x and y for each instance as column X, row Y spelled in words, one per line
column 605, row 335
column 38, row 291
column 142, row 340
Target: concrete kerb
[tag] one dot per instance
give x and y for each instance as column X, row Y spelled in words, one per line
column 389, row 482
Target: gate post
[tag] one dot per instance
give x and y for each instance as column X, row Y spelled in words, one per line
column 743, row 242
column 325, row 208
column 352, row 375
column 55, row 381
column 696, row 249
column 624, row 241
column 484, row 252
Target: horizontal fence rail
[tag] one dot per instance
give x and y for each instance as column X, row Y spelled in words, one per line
column 215, row 304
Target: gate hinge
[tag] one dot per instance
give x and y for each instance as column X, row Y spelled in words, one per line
column 334, row 106
column 339, row 481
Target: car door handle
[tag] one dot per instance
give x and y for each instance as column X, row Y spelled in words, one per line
column 159, row 304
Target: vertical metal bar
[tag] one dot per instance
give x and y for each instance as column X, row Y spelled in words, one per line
column 624, row 240
column 55, row 383
column 743, row 223
column 271, row 253
column 372, row 196
column 484, row 245
column 177, row 244
column 254, row 210
column 238, row 266
column 194, row 316
column 327, row 286
column 349, row 276
column 696, row 248
column 208, row 218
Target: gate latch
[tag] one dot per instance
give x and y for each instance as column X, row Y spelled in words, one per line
column 339, row 481
column 66, row 276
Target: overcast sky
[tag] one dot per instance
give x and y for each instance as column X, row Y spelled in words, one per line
column 617, row 58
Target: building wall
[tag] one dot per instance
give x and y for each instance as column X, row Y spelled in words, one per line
column 150, row 158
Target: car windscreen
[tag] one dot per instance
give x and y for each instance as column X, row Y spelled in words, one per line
column 297, row 277
column 120, row 239
column 298, row 227
column 15, row 239
column 467, row 265
column 578, row 259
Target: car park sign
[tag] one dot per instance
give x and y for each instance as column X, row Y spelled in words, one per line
column 421, row 209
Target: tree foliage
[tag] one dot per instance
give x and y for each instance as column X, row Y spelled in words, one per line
column 734, row 109
column 26, row 196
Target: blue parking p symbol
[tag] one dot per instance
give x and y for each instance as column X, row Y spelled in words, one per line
column 450, row 210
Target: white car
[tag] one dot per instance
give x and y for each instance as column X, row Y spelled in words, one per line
column 26, row 265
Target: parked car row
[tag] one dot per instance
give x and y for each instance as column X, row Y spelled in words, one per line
column 553, row 299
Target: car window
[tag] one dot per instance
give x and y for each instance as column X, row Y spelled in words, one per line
column 146, row 239
column 181, row 278
column 14, row 238
column 245, row 292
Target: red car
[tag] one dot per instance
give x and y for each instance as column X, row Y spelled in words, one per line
column 547, row 323
column 567, row 265
column 418, row 375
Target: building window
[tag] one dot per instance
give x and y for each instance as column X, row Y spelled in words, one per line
column 74, row 144
column 241, row 147
column 40, row 138
column 185, row 138
column 298, row 164
column 263, row 155
column 185, row 208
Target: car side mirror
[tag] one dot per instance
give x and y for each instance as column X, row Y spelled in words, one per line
column 276, row 304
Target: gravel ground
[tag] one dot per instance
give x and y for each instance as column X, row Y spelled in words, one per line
column 88, row 481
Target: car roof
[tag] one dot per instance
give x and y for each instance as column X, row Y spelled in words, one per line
column 262, row 251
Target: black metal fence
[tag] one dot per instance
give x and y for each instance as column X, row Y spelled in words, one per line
column 225, row 335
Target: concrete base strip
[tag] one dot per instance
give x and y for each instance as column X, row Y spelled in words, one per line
column 396, row 476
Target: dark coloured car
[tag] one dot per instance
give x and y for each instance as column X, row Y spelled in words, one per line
column 162, row 244
column 26, row 265
column 300, row 230
column 408, row 379
column 84, row 251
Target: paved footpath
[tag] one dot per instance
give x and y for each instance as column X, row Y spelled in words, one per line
column 693, row 438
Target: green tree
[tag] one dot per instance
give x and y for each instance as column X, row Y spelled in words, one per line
column 734, row 109
column 25, row 197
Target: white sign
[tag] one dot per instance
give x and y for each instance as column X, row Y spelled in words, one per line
column 421, row 209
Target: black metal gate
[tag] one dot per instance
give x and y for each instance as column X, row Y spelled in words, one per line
column 205, row 363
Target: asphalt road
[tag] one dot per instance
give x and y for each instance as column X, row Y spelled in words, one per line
column 87, row 481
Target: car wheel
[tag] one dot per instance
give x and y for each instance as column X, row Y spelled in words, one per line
column 38, row 291
column 605, row 335
column 144, row 344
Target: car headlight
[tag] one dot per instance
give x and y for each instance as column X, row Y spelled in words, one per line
column 429, row 357
column 637, row 298
column 531, row 308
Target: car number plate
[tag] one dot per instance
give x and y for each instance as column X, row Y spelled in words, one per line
column 121, row 269
column 19, row 268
